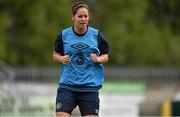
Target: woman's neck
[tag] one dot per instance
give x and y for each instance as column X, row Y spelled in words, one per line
column 80, row 30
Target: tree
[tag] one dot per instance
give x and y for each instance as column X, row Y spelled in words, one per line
column 30, row 33
column 140, row 32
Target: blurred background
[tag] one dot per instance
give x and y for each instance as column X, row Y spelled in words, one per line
column 142, row 76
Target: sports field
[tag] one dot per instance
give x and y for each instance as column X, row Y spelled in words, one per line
column 38, row 98
column 123, row 88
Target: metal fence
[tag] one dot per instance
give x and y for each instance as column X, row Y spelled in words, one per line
column 41, row 74
column 148, row 75
column 6, row 72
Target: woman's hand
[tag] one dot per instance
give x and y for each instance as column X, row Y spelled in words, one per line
column 94, row 58
column 65, row 59
column 99, row 59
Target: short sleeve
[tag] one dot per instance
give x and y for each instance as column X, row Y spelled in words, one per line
column 102, row 44
column 58, row 46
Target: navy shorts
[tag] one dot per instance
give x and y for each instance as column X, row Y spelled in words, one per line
column 67, row 100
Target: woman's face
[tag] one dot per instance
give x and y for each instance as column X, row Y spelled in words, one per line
column 81, row 18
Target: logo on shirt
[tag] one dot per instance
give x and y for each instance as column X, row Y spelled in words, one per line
column 80, row 56
column 79, row 46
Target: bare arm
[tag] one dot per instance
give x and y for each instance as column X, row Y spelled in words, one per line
column 60, row 58
column 99, row 59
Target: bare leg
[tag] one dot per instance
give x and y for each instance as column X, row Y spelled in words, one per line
column 62, row 114
column 90, row 116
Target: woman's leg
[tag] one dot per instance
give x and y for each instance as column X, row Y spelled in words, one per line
column 88, row 103
column 90, row 116
column 62, row 114
column 65, row 102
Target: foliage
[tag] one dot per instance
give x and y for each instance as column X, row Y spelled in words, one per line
column 140, row 32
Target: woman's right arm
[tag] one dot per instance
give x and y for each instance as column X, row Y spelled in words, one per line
column 58, row 52
column 59, row 58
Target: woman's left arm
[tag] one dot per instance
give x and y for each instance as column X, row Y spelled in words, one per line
column 99, row 59
column 103, row 46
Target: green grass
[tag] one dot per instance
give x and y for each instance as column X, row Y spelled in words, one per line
column 123, row 88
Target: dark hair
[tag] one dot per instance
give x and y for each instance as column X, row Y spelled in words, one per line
column 78, row 5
